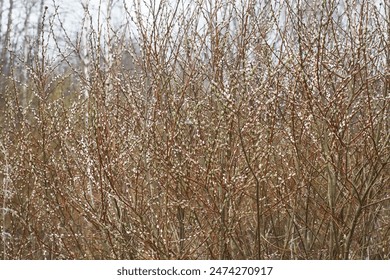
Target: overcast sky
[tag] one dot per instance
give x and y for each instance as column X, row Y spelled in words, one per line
column 71, row 12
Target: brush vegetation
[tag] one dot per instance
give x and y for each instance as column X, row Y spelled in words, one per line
column 207, row 130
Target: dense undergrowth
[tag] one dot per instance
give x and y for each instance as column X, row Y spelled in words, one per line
column 217, row 130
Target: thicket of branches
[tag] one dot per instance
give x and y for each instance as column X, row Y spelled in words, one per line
column 209, row 130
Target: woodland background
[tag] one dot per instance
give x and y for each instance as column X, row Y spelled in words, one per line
column 195, row 130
